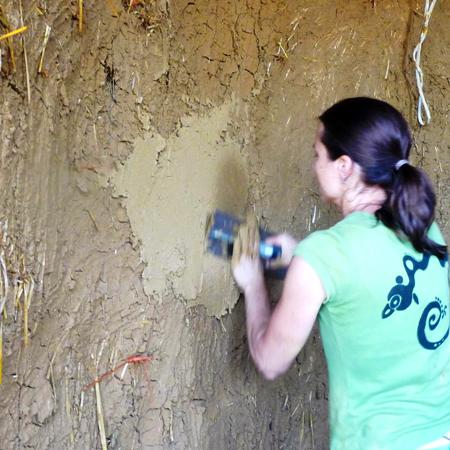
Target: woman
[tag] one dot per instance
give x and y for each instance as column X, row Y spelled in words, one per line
column 378, row 280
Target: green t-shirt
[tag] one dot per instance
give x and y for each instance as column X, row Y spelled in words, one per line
column 385, row 331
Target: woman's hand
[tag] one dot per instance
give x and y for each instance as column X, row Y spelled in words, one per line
column 287, row 244
column 246, row 263
column 248, row 273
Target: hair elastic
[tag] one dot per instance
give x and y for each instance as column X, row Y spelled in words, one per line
column 400, row 163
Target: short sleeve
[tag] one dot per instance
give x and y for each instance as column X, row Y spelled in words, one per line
column 322, row 250
column 434, row 233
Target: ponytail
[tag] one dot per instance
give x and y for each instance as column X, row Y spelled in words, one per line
column 376, row 136
column 409, row 208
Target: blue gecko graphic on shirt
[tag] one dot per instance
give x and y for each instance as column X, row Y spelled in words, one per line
column 401, row 296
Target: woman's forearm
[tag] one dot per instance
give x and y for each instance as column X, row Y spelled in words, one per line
column 258, row 311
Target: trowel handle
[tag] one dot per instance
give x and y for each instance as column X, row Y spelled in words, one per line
column 269, row 251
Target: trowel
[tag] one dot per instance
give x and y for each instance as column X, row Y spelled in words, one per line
column 222, row 229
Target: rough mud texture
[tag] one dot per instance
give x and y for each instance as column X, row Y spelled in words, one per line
column 143, row 122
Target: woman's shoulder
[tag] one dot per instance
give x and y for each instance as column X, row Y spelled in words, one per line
column 322, row 240
column 350, row 226
column 355, row 231
column 435, row 234
column 361, row 231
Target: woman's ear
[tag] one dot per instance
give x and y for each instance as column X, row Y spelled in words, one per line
column 345, row 167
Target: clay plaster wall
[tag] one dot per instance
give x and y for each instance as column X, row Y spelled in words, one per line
column 146, row 121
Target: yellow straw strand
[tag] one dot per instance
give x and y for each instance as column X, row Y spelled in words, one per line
column 27, row 295
column 13, row 33
column 44, row 46
column 80, row 17
column 25, row 318
column 11, row 52
column 100, row 419
column 25, row 57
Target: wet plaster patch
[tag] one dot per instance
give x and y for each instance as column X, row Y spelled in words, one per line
column 169, row 187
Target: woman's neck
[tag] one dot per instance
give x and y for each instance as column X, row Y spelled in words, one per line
column 365, row 199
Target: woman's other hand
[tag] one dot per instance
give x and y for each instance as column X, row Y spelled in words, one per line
column 287, row 244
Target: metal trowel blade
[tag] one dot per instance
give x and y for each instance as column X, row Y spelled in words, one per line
column 220, row 233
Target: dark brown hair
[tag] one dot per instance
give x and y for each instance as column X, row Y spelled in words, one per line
column 376, row 136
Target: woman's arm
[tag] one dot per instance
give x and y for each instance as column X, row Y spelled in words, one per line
column 275, row 337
